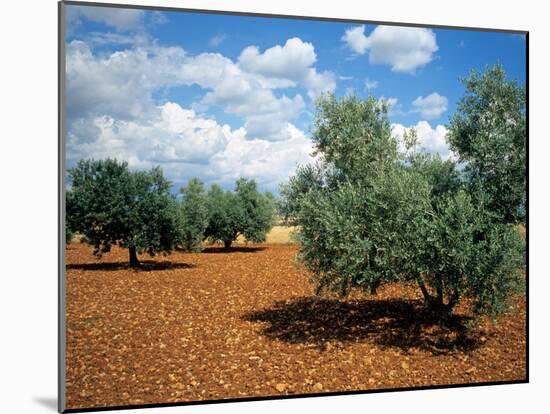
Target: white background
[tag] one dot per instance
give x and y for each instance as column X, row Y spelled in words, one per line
column 28, row 204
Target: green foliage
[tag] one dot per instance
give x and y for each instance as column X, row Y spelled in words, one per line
column 307, row 178
column 193, row 210
column 110, row 205
column 360, row 236
column 258, row 210
column 353, row 136
column 245, row 212
column 224, row 216
column 368, row 215
column 441, row 175
column 68, row 235
column 461, row 252
column 488, row 132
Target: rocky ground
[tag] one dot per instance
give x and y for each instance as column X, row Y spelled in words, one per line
column 245, row 323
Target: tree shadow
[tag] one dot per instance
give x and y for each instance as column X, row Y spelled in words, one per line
column 402, row 324
column 233, row 249
column 144, row 265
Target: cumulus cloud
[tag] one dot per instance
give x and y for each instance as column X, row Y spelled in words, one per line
column 269, row 162
column 188, row 145
column 432, row 140
column 111, row 113
column 431, row 106
column 355, row 39
column 121, row 85
column 118, row 18
column 290, row 64
column 405, row 49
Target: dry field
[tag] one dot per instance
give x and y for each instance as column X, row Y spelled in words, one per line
column 277, row 235
column 244, row 323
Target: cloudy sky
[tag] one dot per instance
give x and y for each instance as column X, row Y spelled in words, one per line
column 221, row 97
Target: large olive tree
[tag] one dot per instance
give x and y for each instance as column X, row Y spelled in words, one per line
column 368, row 215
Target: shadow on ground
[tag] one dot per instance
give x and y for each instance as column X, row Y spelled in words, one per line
column 144, row 265
column 388, row 323
column 235, row 249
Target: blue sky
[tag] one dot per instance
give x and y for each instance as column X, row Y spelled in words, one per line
column 218, row 96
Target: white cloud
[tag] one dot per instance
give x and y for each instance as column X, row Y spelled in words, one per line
column 111, row 113
column 291, row 63
column 121, row 85
column 118, row 18
column 370, row 84
column 431, row 106
column 269, row 163
column 356, row 40
column 188, row 145
column 113, row 38
column 288, row 62
column 405, row 49
column 216, row 40
column 432, row 140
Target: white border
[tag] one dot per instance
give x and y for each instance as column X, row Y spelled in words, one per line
column 28, row 32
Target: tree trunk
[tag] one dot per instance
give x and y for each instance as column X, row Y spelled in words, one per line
column 227, row 244
column 134, row 262
column 440, row 310
column 374, row 287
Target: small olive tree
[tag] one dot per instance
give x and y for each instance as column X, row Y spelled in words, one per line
column 245, row 212
column 111, row 205
column 368, row 215
column 193, row 210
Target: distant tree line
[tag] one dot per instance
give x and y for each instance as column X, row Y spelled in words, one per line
column 110, row 205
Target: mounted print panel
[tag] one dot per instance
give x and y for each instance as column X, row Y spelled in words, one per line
column 272, row 206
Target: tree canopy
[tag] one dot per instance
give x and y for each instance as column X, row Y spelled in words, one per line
column 111, row 205
column 368, row 215
column 488, row 132
column 193, row 210
column 245, row 212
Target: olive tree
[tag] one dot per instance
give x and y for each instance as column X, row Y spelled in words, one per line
column 245, row 212
column 224, row 216
column 111, row 205
column 367, row 215
column 258, row 210
column 488, row 132
column 193, row 210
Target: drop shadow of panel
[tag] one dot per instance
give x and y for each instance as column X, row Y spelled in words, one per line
column 48, row 402
column 235, row 249
column 402, row 324
column 144, row 265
